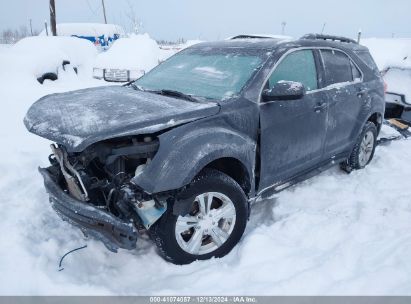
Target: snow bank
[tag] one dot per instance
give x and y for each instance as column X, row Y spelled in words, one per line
column 34, row 56
column 169, row 50
column 393, row 52
column 86, row 29
column 399, row 81
column 390, row 51
column 4, row 47
column 138, row 52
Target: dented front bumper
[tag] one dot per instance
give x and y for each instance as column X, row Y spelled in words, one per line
column 112, row 231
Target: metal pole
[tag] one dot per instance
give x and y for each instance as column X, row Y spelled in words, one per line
column 104, row 11
column 359, row 36
column 45, row 26
column 31, row 28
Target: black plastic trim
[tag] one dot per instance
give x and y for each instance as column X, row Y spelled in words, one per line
column 112, row 231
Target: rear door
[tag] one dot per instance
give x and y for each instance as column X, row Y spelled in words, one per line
column 292, row 131
column 346, row 95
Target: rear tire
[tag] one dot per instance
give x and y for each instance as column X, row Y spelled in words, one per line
column 364, row 149
column 213, row 226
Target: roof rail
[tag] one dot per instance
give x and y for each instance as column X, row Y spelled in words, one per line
column 249, row 37
column 328, row 37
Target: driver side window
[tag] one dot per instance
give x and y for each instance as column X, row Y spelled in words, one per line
column 298, row 66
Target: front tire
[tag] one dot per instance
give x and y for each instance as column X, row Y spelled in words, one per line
column 364, row 149
column 213, row 226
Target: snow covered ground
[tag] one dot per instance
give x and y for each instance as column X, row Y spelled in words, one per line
column 390, row 51
column 4, row 47
column 334, row 234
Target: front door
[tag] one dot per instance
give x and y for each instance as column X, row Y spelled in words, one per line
column 292, row 131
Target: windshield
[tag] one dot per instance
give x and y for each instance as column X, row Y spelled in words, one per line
column 208, row 73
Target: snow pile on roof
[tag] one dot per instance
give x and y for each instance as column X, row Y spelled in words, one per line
column 34, row 56
column 138, row 52
column 86, row 29
column 390, row 51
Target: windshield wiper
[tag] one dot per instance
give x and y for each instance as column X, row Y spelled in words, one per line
column 174, row 93
column 164, row 92
column 134, row 86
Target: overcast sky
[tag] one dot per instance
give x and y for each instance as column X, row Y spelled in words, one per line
column 217, row 19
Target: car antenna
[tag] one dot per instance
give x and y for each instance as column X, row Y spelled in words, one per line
column 359, row 36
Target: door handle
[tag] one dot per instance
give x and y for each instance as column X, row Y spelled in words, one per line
column 320, row 107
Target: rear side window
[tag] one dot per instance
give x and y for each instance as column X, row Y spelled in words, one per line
column 298, row 66
column 338, row 67
column 368, row 60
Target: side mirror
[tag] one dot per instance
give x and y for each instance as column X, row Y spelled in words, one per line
column 284, row 90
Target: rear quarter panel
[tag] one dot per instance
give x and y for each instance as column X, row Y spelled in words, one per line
column 375, row 97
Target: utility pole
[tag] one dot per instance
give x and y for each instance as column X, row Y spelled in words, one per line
column 53, row 18
column 104, row 11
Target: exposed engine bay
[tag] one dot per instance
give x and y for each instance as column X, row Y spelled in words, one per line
column 101, row 175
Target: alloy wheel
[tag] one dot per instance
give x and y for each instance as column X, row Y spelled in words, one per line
column 366, row 148
column 209, row 224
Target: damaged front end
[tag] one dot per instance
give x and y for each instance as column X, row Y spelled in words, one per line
column 93, row 189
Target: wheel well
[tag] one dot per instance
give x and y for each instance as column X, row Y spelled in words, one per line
column 235, row 169
column 376, row 118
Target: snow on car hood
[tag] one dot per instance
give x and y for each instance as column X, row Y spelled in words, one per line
column 80, row 118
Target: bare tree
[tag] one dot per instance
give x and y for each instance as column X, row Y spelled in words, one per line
column 135, row 25
column 12, row 36
column 7, row 36
column 23, row 31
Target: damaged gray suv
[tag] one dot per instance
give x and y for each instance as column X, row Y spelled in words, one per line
column 181, row 152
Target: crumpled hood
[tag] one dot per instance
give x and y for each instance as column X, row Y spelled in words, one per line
column 80, row 118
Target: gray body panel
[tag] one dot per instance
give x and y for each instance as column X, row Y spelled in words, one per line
column 80, row 118
column 185, row 150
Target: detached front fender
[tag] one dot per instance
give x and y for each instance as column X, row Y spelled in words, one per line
column 186, row 150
